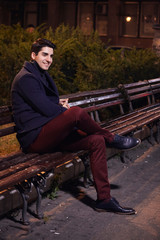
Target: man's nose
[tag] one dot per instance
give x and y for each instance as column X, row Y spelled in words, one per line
column 49, row 59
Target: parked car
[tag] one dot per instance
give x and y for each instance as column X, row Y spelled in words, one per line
column 114, row 47
column 122, row 48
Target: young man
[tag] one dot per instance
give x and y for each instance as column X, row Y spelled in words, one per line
column 44, row 123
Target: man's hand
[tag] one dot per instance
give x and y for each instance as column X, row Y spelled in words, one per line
column 64, row 103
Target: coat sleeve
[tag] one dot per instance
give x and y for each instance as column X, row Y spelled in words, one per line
column 33, row 93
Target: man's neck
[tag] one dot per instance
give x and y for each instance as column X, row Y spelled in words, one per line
column 38, row 67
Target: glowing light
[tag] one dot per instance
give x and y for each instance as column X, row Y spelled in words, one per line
column 88, row 18
column 128, row 19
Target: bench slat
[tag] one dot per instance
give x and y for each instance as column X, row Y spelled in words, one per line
column 139, row 89
column 142, row 118
column 104, row 105
column 15, row 162
column 135, row 84
column 52, row 162
column 95, row 99
column 92, row 93
column 6, row 120
column 7, row 131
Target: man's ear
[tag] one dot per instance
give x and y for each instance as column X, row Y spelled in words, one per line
column 33, row 55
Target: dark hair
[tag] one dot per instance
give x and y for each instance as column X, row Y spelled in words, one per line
column 40, row 43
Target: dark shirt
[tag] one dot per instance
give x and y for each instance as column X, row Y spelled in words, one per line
column 35, row 101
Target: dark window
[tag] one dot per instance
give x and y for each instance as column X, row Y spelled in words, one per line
column 69, row 13
column 149, row 17
column 102, row 19
column 43, row 15
column 88, row 15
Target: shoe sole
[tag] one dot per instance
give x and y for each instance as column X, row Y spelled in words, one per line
column 120, row 213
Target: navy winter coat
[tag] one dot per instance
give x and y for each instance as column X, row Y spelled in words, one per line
column 35, row 101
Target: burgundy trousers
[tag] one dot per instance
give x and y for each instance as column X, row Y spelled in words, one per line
column 61, row 134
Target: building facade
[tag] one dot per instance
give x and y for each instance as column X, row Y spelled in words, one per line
column 118, row 22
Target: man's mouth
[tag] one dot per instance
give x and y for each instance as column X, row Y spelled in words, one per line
column 46, row 64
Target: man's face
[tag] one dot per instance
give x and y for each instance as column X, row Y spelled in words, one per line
column 44, row 57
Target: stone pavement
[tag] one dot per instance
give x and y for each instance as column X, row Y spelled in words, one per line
column 71, row 216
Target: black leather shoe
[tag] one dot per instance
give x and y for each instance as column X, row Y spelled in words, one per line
column 113, row 206
column 122, row 142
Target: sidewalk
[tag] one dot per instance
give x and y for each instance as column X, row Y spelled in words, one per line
column 71, row 216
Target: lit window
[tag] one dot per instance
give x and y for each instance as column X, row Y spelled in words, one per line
column 85, row 13
column 129, row 20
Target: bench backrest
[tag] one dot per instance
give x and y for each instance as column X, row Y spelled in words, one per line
column 136, row 91
column 7, row 125
column 95, row 100
column 155, row 86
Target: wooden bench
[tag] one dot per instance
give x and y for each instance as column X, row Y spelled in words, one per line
column 112, row 108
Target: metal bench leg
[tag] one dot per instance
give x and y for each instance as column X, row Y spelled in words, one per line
column 38, row 204
column 151, row 138
column 92, row 115
column 87, row 179
column 158, row 131
column 124, row 155
column 25, row 207
column 97, row 117
column 39, row 182
column 24, row 188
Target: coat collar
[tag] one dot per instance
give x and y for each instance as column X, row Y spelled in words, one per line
column 33, row 68
column 39, row 73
